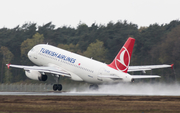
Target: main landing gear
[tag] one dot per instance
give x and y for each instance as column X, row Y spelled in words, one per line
column 93, row 87
column 57, row 86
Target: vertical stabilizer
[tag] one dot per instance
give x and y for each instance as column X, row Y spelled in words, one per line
column 122, row 60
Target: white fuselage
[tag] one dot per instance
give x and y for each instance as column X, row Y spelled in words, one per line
column 85, row 68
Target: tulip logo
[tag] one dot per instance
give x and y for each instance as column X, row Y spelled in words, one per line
column 122, row 60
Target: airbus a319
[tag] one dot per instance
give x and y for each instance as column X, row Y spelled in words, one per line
column 58, row 62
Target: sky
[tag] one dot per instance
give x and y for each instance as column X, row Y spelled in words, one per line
column 72, row 12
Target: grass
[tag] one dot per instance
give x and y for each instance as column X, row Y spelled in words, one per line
column 89, row 104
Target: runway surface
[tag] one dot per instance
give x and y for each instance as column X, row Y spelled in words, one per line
column 112, row 90
column 78, row 94
column 59, row 93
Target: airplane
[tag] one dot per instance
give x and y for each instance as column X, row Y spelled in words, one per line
column 59, row 62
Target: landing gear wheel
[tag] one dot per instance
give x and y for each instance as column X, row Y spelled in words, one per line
column 57, row 87
column 93, row 87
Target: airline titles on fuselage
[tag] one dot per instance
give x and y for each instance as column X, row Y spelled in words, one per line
column 57, row 55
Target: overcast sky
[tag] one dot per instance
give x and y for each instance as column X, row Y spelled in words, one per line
column 71, row 12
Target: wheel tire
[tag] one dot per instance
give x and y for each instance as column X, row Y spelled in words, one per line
column 55, row 87
column 59, row 87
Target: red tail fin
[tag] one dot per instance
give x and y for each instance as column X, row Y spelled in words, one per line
column 122, row 60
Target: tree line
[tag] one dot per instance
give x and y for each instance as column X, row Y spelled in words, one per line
column 155, row 44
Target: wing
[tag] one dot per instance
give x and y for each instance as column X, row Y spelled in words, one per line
column 147, row 67
column 41, row 69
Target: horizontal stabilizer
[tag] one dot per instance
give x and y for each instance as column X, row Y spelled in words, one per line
column 147, row 67
column 145, row 76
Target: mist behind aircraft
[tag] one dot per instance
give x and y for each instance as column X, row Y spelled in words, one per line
column 133, row 89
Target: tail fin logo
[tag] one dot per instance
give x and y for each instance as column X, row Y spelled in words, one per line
column 122, row 60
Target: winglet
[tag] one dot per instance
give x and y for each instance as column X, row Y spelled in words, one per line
column 172, row 66
column 8, row 65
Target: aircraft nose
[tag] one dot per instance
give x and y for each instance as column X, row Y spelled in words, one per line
column 29, row 54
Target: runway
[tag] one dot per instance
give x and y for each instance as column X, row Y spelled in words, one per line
column 58, row 94
column 78, row 94
column 131, row 98
column 111, row 90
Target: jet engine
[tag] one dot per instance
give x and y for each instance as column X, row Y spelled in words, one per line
column 35, row 75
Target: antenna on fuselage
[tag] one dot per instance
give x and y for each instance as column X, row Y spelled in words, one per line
column 47, row 43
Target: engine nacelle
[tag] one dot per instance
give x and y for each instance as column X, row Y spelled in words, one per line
column 35, row 75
